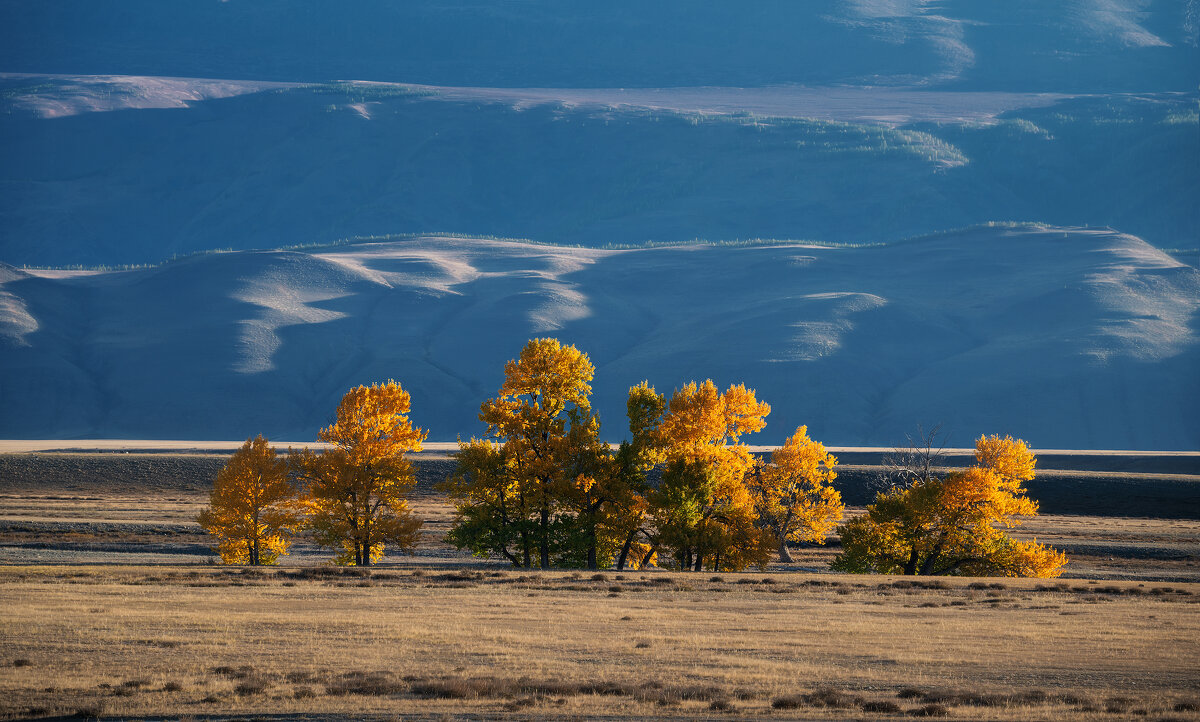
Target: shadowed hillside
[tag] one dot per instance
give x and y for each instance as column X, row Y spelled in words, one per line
column 284, row 166
column 1066, row 338
column 1073, row 45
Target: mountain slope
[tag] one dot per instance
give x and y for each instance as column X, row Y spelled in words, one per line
column 291, row 165
column 1065, row 337
column 1072, row 45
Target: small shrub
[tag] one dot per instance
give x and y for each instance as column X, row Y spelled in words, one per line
column 249, row 687
column 720, row 705
column 789, row 702
column 172, row 687
column 300, row 677
column 93, row 711
column 929, row 710
column 885, row 706
column 831, row 698
column 303, row 693
column 716, row 579
column 21, row 663
column 1187, row 706
column 366, row 683
column 642, row 645
column 910, row 693
column 599, row 578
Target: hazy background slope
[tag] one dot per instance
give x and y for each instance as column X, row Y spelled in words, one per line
column 1067, row 338
column 302, row 165
column 1067, row 45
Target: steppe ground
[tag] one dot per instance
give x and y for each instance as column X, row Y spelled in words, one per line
column 112, row 607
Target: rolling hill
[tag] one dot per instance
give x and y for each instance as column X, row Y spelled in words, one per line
column 1067, row 337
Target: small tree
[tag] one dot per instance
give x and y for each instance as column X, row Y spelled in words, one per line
column 793, row 495
column 703, row 511
column 252, row 508
column 494, row 516
column 953, row 525
column 357, row 490
column 543, row 417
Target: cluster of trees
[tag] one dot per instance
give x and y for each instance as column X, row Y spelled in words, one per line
column 683, row 491
column 928, row 524
column 351, row 495
column 544, row 490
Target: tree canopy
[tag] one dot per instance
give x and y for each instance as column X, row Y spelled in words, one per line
column 793, row 494
column 252, row 508
column 356, row 494
column 954, row 524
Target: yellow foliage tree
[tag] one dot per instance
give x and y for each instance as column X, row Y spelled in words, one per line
column 703, row 509
column 793, row 495
column 356, row 491
column 954, row 525
column 252, row 508
column 544, row 419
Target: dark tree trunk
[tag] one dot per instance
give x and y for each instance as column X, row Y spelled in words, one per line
column 785, row 555
column 910, row 568
column 544, row 542
column 649, row 555
column 699, row 562
column 625, row 548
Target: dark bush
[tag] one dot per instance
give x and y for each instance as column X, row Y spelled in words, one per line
column 929, row 710
column 885, row 706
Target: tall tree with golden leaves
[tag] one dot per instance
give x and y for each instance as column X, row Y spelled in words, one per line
column 793, row 495
column 252, row 508
column 955, row 524
column 542, row 415
column 357, row 490
column 703, row 509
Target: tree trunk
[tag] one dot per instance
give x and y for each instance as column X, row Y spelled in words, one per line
column 910, row 569
column 699, row 562
column 784, row 554
column 544, row 542
column 625, row 550
column 649, row 555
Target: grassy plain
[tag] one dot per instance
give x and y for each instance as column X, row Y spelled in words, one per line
column 168, row 641
column 110, row 608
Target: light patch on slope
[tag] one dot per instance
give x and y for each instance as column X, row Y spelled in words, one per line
column 815, row 339
column 68, row 95
column 561, row 305
column 1147, row 318
column 1117, row 20
column 283, row 304
column 905, row 21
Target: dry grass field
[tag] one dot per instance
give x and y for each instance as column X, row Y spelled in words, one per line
column 171, row 641
column 112, row 607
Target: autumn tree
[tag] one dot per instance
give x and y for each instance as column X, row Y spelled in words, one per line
column 252, row 508
column 357, row 490
column 703, row 511
column 954, row 524
column 633, row 461
column 793, row 496
column 549, row 443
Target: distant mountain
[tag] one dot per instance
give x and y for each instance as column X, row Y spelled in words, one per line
column 1068, row 338
column 1089, row 46
column 97, row 170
